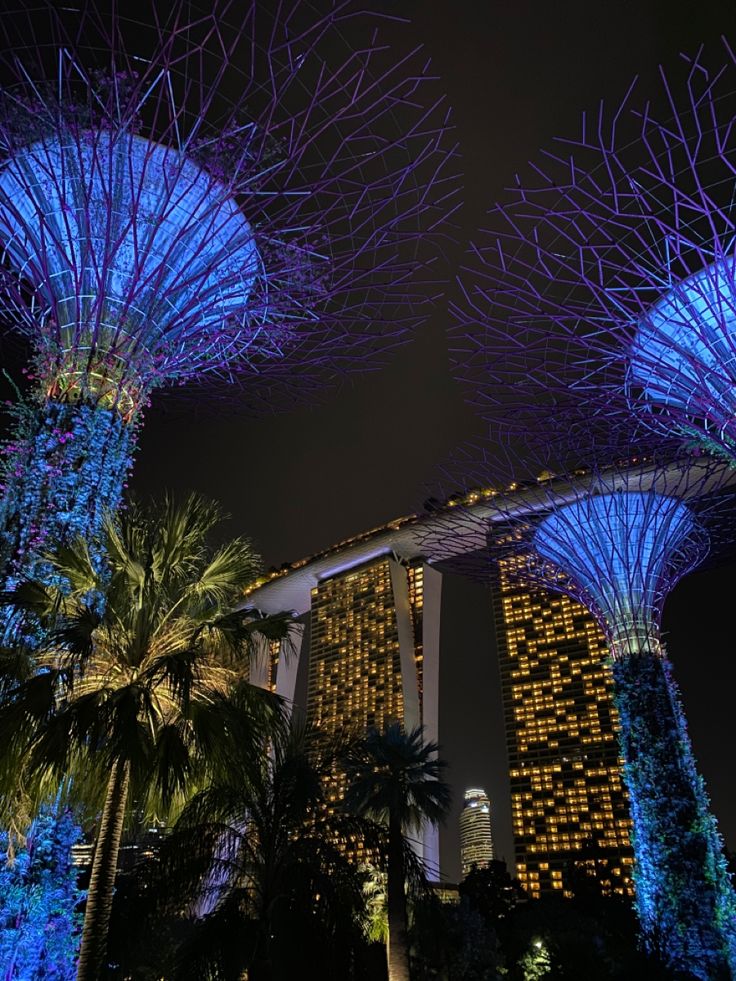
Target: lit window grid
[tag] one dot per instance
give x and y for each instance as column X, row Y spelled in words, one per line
column 355, row 679
column 416, row 606
column 565, row 772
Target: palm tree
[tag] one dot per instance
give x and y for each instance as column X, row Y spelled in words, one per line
column 139, row 687
column 287, row 901
column 394, row 778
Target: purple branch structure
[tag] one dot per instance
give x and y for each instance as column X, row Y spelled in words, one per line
column 606, row 283
column 618, row 539
column 250, row 210
column 246, row 211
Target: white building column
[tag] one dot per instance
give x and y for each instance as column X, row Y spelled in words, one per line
column 407, row 646
column 287, row 669
column 431, row 618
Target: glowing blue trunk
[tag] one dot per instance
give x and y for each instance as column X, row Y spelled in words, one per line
column 620, row 553
column 65, row 469
column 684, row 895
column 40, row 921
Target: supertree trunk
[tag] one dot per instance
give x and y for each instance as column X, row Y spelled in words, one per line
column 684, row 897
column 64, row 469
column 102, row 880
column 617, row 537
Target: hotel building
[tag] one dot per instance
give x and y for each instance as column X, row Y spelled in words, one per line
column 366, row 657
column 368, row 642
column 368, row 651
column 568, row 800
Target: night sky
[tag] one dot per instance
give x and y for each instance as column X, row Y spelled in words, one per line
column 517, row 74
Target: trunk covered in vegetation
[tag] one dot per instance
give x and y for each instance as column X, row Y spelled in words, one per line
column 398, row 944
column 102, row 880
column 684, row 897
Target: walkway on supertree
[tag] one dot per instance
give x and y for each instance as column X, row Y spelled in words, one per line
column 617, row 538
column 250, row 209
column 605, row 283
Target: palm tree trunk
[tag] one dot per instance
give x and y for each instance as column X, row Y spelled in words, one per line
column 102, row 880
column 398, row 944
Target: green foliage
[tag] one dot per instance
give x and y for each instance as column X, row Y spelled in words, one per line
column 578, row 941
column 536, row 962
column 393, row 773
column 252, row 876
column 140, row 692
column 394, row 778
column 144, row 677
column 492, row 893
column 453, row 942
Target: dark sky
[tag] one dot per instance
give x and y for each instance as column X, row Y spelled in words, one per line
column 517, row 72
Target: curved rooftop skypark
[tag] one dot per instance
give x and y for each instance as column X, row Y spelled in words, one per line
column 370, row 642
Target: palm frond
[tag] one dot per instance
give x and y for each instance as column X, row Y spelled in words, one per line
column 72, row 564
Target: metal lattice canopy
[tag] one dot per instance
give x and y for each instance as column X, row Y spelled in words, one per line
column 220, row 194
column 604, row 284
column 616, row 536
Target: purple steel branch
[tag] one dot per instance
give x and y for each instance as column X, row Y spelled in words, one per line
column 604, row 285
column 230, row 204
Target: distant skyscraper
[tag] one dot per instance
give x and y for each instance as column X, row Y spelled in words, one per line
column 568, row 800
column 476, row 838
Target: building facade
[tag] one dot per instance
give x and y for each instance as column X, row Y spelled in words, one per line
column 569, row 804
column 367, row 658
column 476, row 836
column 367, row 649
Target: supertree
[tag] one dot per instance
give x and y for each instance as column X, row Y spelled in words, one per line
column 187, row 202
column 605, row 282
column 617, row 538
column 243, row 198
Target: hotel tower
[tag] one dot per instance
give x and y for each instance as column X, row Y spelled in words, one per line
column 368, row 644
column 569, row 804
column 368, row 651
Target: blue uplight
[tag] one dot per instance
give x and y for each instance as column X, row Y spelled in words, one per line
column 134, row 243
column 621, row 550
column 683, row 356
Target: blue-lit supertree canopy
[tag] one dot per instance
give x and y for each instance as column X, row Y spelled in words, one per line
column 242, row 198
column 682, row 359
column 622, row 552
column 604, row 281
column 617, row 539
column 246, row 201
